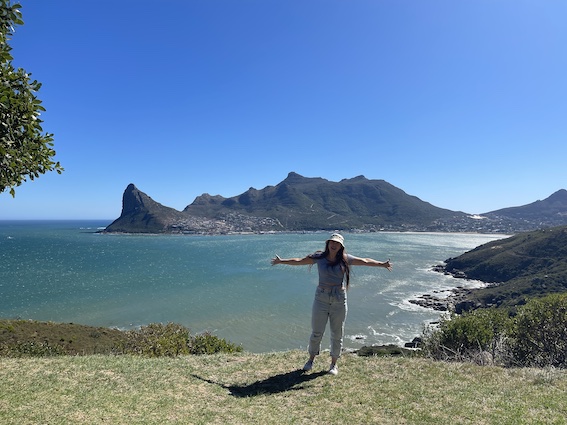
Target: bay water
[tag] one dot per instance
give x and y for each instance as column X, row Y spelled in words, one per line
column 64, row 271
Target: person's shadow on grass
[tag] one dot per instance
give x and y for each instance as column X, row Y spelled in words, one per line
column 289, row 381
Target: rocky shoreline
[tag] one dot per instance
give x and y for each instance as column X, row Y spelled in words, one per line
column 457, row 300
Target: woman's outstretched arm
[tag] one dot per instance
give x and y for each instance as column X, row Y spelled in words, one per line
column 356, row 261
column 292, row 261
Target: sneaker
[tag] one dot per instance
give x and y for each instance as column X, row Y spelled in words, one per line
column 334, row 370
column 308, row 365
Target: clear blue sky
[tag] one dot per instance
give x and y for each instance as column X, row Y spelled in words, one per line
column 460, row 103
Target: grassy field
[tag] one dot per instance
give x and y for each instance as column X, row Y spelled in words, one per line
column 269, row 389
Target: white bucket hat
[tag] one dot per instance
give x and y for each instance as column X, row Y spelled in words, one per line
column 337, row 238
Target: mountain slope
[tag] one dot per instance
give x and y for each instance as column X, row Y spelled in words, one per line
column 551, row 211
column 529, row 264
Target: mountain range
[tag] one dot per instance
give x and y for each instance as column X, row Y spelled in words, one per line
column 308, row 204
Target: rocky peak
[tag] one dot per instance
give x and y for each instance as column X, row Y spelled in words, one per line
column 560, row 197
column 134, row 201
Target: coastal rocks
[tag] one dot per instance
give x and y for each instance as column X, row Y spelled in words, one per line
column 408, row 349
column 432, row 302
column 383, row 350
column 457, row 301
column 466, row 305
column 458, row 274
column 415, row 343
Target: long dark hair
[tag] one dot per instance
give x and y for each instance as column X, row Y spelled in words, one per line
column 340, row 259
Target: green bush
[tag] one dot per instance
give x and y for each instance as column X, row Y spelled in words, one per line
column 157, row 340
column 207, row 343
column 539, row 335
column 477, row 336
column 535, row 337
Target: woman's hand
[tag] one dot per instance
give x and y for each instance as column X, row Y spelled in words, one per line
column 371, row 262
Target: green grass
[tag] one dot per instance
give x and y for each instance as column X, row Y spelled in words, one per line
column 268, row 389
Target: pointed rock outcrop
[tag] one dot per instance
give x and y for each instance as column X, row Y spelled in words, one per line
column 141, row 214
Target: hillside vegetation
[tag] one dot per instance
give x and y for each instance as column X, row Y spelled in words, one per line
column 527, row 265
column 30, row 338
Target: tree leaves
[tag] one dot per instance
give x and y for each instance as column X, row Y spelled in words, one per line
column 25, row 151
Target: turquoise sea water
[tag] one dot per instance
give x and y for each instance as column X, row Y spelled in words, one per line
column 63, row 271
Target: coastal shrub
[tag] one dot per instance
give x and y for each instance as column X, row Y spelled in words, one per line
column 31, row 349
column 28, row 338
column 539, row 334
column 207, row 343
column 477, row 336
column 157, row 340
column 171, row 340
